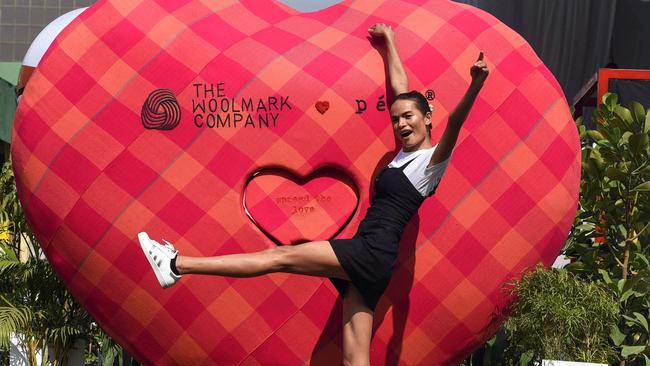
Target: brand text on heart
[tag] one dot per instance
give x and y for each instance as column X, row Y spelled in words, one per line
column 212, row 108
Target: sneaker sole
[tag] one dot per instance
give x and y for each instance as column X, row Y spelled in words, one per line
column 144, row 241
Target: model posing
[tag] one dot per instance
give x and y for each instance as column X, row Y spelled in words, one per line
column 360, row 267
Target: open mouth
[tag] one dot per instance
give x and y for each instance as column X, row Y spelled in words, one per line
column 405, row 134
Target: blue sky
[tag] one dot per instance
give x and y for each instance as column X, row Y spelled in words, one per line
column 310, row 5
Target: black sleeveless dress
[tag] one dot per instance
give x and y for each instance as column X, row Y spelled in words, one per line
column 369, row 256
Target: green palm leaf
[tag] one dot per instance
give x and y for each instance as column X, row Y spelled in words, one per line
column 13, row 320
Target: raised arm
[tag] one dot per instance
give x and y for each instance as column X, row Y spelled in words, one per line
column 399, row 82
column 479, row 72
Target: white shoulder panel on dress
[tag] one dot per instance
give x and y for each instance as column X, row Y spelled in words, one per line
column 424, row 179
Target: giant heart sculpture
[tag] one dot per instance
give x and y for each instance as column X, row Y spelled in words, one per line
column 159, row 116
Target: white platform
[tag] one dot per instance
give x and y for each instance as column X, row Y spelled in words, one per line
column 567, row 363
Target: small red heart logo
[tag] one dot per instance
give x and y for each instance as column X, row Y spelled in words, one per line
column 322, row 106
column 291, row 209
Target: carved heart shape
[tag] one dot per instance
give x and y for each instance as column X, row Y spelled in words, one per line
column 290, row 209
column 322, row 106
column 245, row 76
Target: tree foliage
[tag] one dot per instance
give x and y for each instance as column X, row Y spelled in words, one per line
column 609, row 245
column 35, row 306
column 610, row 237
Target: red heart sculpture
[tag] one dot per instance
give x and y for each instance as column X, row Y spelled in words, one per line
column 322, row 106
column 92, row 170
column 291, row 210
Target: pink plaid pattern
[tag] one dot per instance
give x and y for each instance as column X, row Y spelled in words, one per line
column 91, row 176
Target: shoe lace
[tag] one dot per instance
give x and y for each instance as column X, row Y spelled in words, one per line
column 169, row 245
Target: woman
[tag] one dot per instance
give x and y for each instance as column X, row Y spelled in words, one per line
column 359, row 267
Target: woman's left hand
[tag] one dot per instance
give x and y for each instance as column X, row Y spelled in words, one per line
column 479, row 71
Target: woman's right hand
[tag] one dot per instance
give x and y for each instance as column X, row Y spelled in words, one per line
column 381, row 30
column 384, row 39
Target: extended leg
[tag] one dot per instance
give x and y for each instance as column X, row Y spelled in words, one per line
column 357, row 329
column 315, row 258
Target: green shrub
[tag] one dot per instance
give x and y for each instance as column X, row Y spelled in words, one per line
column 556, row 315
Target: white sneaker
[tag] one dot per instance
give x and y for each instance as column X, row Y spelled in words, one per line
column 160, row 257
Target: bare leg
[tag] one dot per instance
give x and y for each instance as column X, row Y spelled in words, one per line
column 315, row 258
column 357, row 329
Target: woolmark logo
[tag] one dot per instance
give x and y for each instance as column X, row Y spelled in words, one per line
column 161, row 110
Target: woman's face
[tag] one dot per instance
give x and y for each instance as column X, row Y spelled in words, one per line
column 410, row 125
